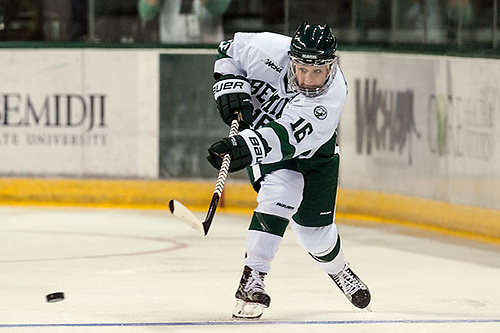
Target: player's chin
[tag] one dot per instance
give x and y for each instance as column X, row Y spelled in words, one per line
column 309, row 87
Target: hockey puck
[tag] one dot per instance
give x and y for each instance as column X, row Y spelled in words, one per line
column 55, row 297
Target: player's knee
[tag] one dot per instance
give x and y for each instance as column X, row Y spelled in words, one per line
column 317, row 240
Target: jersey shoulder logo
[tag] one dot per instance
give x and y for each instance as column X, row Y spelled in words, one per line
column 269, row 63
column 320, row 112
column 223, row 47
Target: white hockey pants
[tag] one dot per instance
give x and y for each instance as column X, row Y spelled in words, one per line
column 279, row 198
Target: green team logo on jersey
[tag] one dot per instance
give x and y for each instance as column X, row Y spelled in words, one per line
column 223, row 47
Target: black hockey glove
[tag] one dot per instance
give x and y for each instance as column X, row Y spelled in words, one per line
column 236, row 147
column 232, row 96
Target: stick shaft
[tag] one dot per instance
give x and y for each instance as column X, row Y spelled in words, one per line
column 221, row 181
column 226, row 161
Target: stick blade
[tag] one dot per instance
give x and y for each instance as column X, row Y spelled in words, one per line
column 180, row 211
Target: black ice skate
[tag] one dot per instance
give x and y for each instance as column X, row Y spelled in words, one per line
column 352, row 287
column 251, row 298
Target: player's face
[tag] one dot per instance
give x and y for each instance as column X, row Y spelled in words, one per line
column 311, row 77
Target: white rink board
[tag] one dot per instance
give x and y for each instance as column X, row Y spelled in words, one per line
column 74, row 112
column 422, row 126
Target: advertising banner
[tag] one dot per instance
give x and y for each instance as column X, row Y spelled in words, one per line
column 422, row 126
column 78, row 113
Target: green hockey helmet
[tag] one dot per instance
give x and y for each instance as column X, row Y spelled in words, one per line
column 314, row 45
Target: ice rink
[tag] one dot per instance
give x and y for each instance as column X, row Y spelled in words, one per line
column 142, row 271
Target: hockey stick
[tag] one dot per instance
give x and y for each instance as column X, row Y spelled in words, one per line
column 184, row 214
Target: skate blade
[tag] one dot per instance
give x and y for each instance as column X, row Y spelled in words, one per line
column 245, row 310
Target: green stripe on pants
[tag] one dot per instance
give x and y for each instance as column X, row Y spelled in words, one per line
column 271, row 224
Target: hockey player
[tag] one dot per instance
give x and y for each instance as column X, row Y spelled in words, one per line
column 288, row 94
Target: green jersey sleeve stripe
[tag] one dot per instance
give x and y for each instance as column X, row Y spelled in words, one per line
column 287, row 150
column 221, row 55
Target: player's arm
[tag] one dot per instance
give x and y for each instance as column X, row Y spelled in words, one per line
column 302, row 132
column 272, row 143
column 231, row 89
column 266, row 145
column 148, row 9
column 291, row 137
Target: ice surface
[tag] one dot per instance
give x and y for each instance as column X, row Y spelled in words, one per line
column 142, row 271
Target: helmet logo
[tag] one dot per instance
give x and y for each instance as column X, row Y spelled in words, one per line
column 320, row 112
column 310, row 56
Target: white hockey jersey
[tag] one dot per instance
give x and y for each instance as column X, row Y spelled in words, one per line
column 294, row 126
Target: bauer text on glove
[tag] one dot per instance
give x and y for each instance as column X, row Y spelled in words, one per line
column 232, row 95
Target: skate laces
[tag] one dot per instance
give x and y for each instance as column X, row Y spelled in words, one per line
column 348, row 282
column 255, row 282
